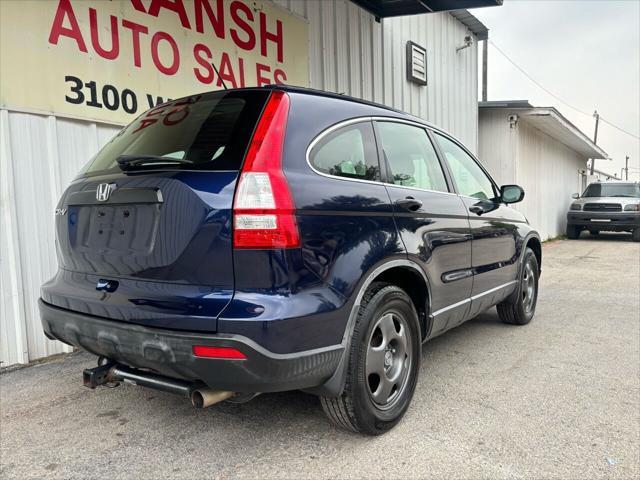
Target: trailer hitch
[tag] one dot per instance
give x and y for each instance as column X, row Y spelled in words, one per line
column 94, row 377
column 108, row 372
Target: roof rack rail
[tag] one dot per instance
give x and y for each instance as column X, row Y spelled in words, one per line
column 323, row 93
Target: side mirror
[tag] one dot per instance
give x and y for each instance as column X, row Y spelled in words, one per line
column 575, row 196
column 511, row 193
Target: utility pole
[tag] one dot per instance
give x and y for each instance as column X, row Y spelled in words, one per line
column 485, row 60
column 595, row 137
column 626, row 168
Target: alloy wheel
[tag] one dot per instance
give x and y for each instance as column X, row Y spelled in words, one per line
column 528, row 288
column 388, row 360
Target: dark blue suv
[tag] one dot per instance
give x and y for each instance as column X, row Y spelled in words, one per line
column 279, row 238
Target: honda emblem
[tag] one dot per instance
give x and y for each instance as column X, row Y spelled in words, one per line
column 104, row 190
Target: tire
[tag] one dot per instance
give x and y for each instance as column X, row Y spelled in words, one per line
column 636, row 235
column 520, row 308
column 573, row 232
column 594, row 232
column 383, row 363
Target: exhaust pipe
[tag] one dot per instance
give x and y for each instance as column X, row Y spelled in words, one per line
column 205, row 397
column 109, row 372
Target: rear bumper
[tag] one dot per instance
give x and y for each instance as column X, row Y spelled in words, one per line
column 604, row 220
column 169, row 353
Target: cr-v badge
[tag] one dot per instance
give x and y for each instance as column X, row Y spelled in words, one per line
column 104, row 190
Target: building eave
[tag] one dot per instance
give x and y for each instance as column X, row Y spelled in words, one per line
column 396, row 8
column 474, row 25
column 553, row 123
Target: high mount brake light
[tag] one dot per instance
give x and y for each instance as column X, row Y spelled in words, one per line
column 263, row 209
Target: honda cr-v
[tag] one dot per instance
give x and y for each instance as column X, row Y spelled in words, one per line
column 269, row 239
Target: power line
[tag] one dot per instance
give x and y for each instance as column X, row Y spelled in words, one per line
column 557, row 97
column 619, row 128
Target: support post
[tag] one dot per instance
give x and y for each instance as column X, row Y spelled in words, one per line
column 626, row 168
column 595, row 138
column 485, row 61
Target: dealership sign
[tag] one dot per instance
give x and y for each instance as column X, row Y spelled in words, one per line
column 111, row 60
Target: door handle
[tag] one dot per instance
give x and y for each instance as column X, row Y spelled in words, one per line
column 409, row 203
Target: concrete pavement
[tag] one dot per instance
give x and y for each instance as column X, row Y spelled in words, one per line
column 559, row 398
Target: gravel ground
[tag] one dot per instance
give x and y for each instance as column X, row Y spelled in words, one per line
column 559, row 398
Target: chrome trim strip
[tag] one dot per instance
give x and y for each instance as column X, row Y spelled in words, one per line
column 474, row 297
column 450, row 307
column 495, row 289
column 333, row 128
column 353, row 121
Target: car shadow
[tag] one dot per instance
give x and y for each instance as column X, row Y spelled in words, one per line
column 437, row 351
column 607, row 236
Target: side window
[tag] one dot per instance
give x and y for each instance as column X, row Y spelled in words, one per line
column 411, row 157
column 469, row 177
column 348, row 152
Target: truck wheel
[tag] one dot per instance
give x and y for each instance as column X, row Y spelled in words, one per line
column 383, row 363
column 636, row 235
column 573, row 232
column 519, row 309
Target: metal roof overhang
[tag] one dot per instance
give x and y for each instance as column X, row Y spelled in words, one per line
column 395, row 8
column 550, row 121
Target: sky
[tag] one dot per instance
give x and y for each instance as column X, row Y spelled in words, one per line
column 586, row 52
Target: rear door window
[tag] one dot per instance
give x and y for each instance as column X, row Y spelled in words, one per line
column 208, row 132
column 348, row 152
column 411, row 157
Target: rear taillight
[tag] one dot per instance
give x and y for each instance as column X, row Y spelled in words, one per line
column 263, row 209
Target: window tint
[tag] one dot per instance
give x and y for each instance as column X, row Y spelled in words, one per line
column 411, row 157
column 348, row 152
column 469, row 177
column 209, row 131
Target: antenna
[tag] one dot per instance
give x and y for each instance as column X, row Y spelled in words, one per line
column 218, row 73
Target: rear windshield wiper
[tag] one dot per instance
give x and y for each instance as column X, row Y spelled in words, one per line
column 126, row 162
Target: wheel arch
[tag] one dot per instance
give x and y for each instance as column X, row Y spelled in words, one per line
column 416, row 286
column 392, row 271
column 533, row 242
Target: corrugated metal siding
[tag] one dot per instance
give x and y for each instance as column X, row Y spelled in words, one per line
column 349, row 52
column 40, row 156
column 352, row 53
column 547, row 169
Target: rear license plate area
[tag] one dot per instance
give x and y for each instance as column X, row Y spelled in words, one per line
column 118, row 228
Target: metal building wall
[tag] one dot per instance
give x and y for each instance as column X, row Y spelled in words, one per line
column 39, row 156
column 348, row 52
column 547, row 169
column 352, row 53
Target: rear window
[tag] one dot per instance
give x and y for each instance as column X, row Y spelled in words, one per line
column 210, row 131
column 612, row 190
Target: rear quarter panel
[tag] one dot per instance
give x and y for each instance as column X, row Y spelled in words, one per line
column 300, row 299
column 347, row 226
